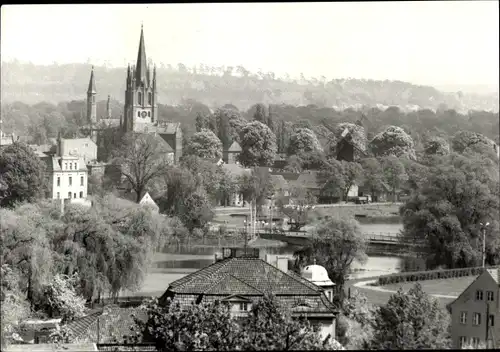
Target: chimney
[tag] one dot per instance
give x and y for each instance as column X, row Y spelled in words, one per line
column 279, row 262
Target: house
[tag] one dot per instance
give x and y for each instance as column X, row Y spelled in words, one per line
column 83, row 147
column 475, row 314
column 236, row 171
column 34, row 331
column 240, row 278
column 68, row 175
column 231, row 155
column 149, row 202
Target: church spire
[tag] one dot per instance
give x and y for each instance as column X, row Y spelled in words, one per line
column 141, row 66
column 92, row 89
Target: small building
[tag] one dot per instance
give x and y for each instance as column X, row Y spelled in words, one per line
column 147, row 201
column 475, row 314
column 319, row 276
column 231, row 155
column 34, row 331
column 240, row 278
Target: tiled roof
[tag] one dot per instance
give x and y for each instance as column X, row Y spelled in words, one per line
column 235, row 147
column 255, row 273
column 168, row 147
column 308, row 180
column 288, row 176
column 81, row 325
column 168, row 128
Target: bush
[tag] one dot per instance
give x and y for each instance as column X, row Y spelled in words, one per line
column 428, row 275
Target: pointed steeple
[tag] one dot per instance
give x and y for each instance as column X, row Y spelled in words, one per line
column 141, row 66
column 92, row 89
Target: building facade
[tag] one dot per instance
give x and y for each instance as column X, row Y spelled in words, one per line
column 475, row 314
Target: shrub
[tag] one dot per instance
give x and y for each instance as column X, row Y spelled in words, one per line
column 428, row 275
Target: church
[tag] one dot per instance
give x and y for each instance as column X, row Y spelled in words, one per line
column 141, row 107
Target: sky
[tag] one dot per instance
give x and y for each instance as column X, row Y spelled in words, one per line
column 427, row 42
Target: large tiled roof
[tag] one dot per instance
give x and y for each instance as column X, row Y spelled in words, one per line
column 308, row 180
column 168, row 128
column 250, row 275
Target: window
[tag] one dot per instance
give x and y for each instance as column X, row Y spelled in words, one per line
column 138, row 114
column 58, row 181
column 489, row 296
column 71, row 166
column 81, row 181
column 76, row 166
column 86, row 145
column 463, row 317
column 330, row 296
column 244, row 306
column 463, row 341
column 74, row 195
column 70, row 181
column 477, row 319
column 479, row 295
column 475, row 341
column 69, row 195
column 491, row 320
column 65, row 166
column 139, row 98
column 81, row 194
column 58, row 195
column 150, row 98
column 149, row 113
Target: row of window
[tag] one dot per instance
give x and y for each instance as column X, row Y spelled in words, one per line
column 490, row 296
column 69, row 195
column 70, row 166
column 476, row 319
column 140, row 98
column 70, row 180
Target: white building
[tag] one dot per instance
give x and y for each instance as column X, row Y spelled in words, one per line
column 319, row 276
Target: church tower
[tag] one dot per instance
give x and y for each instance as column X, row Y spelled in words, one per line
column 141, row 106
column 91, row 103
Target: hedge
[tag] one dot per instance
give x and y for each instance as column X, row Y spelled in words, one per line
column 428, row 275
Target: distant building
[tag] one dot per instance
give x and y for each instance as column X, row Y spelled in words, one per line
column 231, row 155
column 475, row 314
column 240, row 278
column 67, row 173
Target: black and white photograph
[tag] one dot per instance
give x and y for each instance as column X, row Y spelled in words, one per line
column 250, row 176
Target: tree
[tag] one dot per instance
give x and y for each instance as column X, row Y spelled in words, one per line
column 204, row 144
column 298, row 212
column 335, row 244
column 227, row 187
column 61, row 300
column 193, row 327
column 411, row 321
column 393, row 141
column 260, row 113
column 464, row 141
column 21, row 174
column 303, row 140
column 353, row 173
column 256, row 187
column 207, row 174
column 355, row 324
column 373, row 176
column 201, row 122
column 394, row 174
column 142, row 159
column 332, row 179
column 258, row 144
column 436, row 146
column 445, row 214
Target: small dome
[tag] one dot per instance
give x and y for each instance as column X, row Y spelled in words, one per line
column 317, row 275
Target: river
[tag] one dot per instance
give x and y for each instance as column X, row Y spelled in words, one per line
column 170, row 266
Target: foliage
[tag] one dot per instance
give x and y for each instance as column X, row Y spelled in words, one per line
column 258, row 144
column 335, row 244
column 299, row 211
column 428, row 275
column 21, row 175
column 256, row 186
column 332, row 179
column 303, row 140
column 204, row 144
column 394, row 141
column 226, row 188
column 142, row 159
column 60, row 298
column 436, row 146
column 208, row 175
column 354, row 328
column 260, row 113
column 411, row 320
column 373, row 176
column 14, row 306
column 353, row 173
column 464, row 140
column 394, row 174
column 457, row 195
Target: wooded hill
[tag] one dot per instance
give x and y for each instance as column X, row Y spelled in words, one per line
column 216, row 86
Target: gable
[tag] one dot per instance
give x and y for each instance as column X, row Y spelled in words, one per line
column 236, row 298
column 482, row 282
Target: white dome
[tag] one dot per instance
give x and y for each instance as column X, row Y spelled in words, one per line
column 317, row 275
